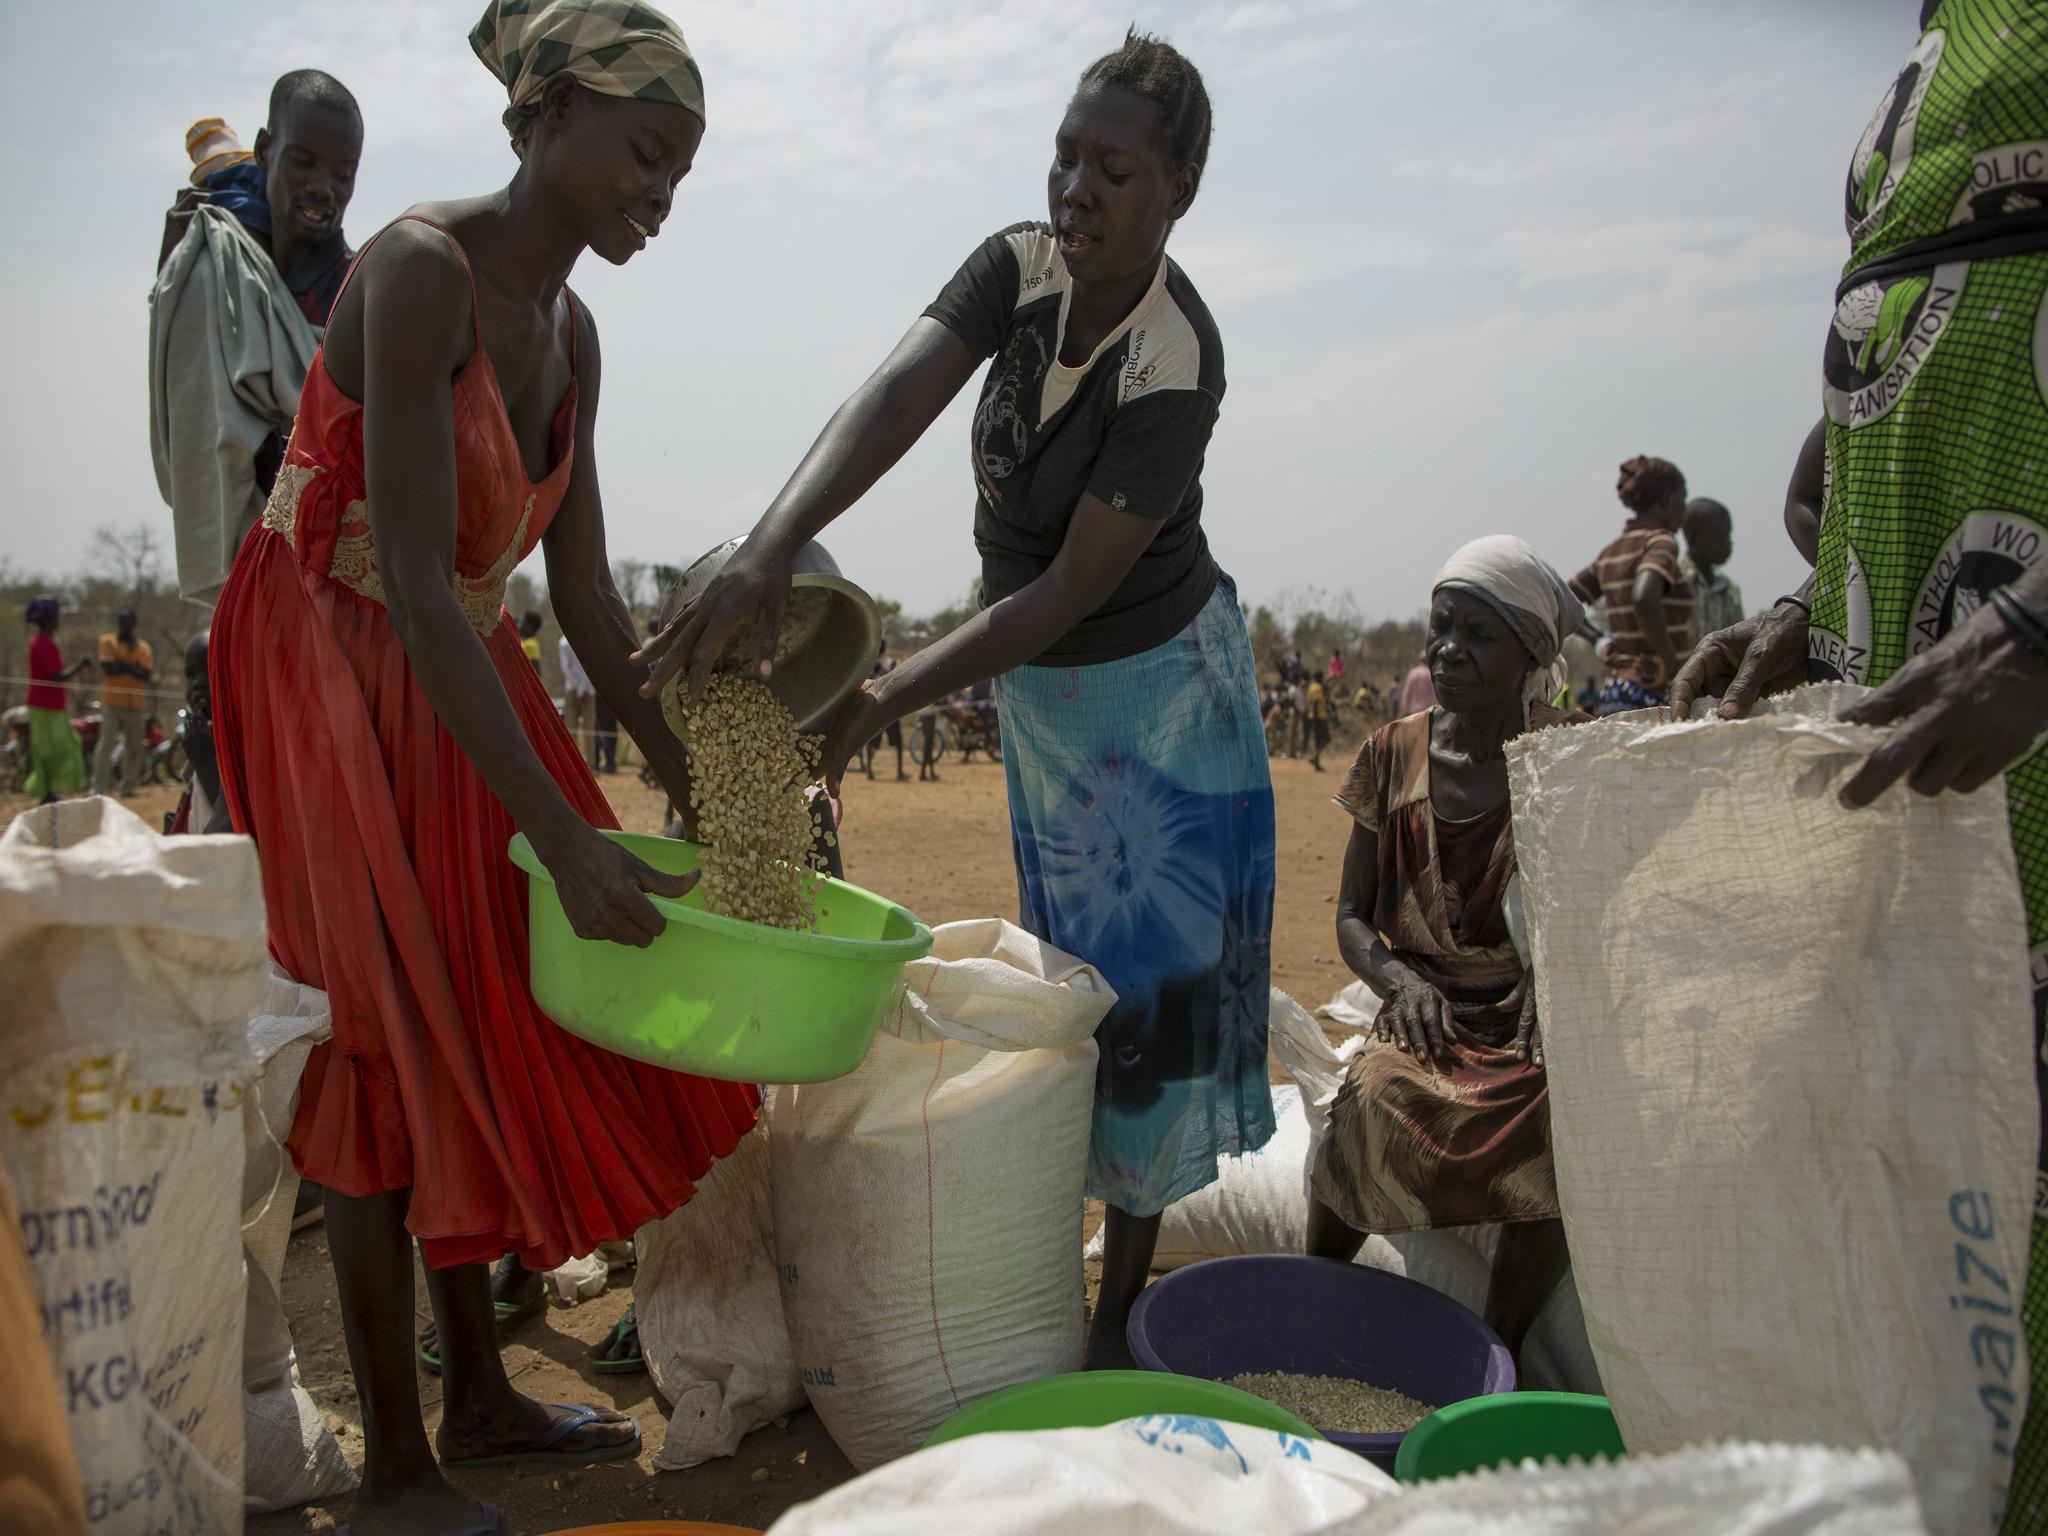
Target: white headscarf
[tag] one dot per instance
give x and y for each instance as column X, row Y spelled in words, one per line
column 1523, row 588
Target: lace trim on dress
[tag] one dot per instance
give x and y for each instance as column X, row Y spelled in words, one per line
column 354, row 562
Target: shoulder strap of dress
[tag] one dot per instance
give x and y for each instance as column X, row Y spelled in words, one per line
column 1407, row 761
column 476, row 319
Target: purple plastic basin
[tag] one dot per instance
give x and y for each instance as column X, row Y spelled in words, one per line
column 1319, row 1317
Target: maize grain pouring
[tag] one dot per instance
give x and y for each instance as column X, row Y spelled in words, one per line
column 750, row 774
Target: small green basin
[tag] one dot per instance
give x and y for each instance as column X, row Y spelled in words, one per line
column 720, row 997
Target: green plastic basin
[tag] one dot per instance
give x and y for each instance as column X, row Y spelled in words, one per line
column 1484, row 1432
column 1087, row 1399
column 720, row 997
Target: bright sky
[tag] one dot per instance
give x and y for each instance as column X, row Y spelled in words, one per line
column 1465, row 256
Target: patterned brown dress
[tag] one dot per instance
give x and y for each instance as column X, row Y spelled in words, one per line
column 1414, row 1144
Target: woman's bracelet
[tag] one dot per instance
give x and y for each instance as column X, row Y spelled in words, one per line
column 1796, row 601
column 2027, row 626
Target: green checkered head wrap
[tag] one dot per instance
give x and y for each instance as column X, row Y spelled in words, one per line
column 615, row 47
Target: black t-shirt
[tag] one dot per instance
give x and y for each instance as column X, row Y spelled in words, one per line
column 1130, row 425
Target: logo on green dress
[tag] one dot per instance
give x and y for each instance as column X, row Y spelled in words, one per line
column 1886, row 148
column 2009, row 180
column 1842, row 656
column 1989, row 550
column 1883, row 331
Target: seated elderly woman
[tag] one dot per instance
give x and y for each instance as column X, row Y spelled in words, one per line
column 1443, row 1119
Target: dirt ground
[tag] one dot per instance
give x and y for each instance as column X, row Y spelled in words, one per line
column 943, row 851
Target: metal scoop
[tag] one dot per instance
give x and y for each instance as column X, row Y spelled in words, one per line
column 831, row 633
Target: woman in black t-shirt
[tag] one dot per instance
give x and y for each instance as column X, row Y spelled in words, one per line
column 1140, row 801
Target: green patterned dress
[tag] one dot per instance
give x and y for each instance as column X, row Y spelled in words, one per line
column 1935, row 384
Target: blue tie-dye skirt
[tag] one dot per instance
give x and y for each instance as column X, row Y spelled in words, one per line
column 1141, row 809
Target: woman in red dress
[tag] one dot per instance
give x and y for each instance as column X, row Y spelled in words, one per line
column 382, row 737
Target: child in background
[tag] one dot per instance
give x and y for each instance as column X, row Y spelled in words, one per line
column 1649, row 604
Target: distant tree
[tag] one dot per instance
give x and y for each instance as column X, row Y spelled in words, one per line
column 891, row 613
column 1269, row 642
column 953, row 615
column 131, row 559
column 1393, row 645
column 637, row 585
column 666, row 578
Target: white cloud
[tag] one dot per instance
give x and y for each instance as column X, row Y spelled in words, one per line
column 1737, row 114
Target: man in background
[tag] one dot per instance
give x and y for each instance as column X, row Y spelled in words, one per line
column 884, row 665
column 1318, row 720
column 1709, row 541
column 606, row 747
column 579, row 703
column 202, row 807
column 529, row 637
column 252, row 260
column 126, row 666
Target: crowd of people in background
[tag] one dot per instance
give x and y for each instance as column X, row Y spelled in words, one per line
column 1648, row 601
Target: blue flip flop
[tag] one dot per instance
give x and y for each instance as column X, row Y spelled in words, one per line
column 543, row 1450
column 494, row 1525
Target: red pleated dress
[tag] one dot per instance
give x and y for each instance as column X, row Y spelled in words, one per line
column 386, row 876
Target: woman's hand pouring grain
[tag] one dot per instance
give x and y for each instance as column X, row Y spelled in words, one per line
column 752, row 589
column 604, row 888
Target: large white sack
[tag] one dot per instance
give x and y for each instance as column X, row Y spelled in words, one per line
column 289, row 1457
column 711, row 1314
column 133, row 965
column 1355, row 1007
column 928, row 1205
column 1162, row 1475
column 1259, row 1204
column 1717, row 1490
column 1792, row 1088
column 1173, row 1476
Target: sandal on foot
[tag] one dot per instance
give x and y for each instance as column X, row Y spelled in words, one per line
column 544, row 1449
column 529, row 1300
column 625, row 1336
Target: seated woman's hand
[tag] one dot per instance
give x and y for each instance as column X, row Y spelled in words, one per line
column 1528, row 1031
column 1758, row 655
column 752, row 588
column 1417, row 1018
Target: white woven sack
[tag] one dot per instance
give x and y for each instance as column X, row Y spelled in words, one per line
column 289, row 1458
column 1792, row 1088
column 133, row 965
column 710, row 1313
column 1161, row 1475
column 1169, row 1475
column 1714, row 1490
column 928, row 1205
